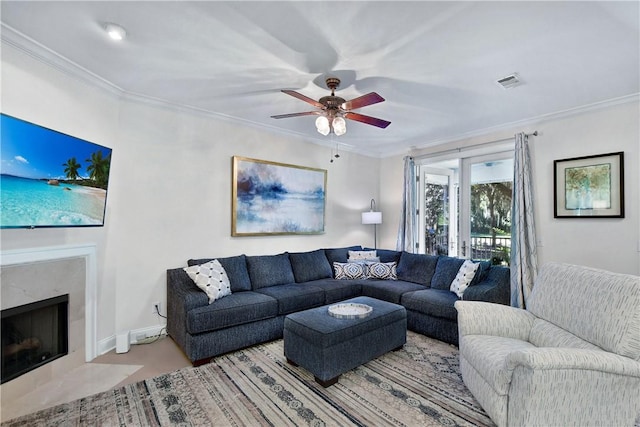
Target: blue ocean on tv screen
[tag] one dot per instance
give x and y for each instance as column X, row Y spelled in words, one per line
column 32, row 202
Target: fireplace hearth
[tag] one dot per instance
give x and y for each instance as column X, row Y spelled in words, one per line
column 33, row 335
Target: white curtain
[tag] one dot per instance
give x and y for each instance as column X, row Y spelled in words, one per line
column 524, row 259
column 408, row 221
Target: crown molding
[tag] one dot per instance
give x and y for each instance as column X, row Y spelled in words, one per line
column 532, row 121
column 39, row 52
column 35, row 50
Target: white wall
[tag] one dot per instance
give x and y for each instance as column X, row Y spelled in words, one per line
column 611, row 244
column 169, row 193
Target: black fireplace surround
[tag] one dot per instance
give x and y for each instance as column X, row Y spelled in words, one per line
column 34, row 334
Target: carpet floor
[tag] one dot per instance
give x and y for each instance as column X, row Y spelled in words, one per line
column 418, row 385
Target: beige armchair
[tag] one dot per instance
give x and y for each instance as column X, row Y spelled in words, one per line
column 571, row 358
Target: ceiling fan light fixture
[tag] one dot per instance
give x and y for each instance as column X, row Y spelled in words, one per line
column 322, row 125
column 339, row 126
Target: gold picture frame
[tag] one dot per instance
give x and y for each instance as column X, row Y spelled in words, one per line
column 271, row 198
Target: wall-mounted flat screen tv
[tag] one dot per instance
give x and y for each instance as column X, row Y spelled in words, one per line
column 50, row 179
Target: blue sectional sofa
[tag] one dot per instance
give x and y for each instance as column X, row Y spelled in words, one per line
column 264, row 289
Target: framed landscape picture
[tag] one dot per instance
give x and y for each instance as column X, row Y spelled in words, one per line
column 590, row 186
column 275, row 198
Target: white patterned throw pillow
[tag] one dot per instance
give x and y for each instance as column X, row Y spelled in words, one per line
column 350, row 270
column 382, row 270
column 465, row 275
column 362, row 255
column 211, row 278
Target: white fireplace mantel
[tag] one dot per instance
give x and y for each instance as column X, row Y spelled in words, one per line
column 88, row 252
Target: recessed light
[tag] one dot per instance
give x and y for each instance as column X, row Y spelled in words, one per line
column 115, row 31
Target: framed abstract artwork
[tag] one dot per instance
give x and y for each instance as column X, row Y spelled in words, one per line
column 270, row 198
column 589, row 187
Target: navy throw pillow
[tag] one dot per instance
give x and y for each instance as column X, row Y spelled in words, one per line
column 270, row 270
column 309, row 266
column 386, row 255
column 446, row 270
column 416, row 268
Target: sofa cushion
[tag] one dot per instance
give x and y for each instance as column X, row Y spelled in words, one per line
column 340, row 254
column 235, row 309
column 211, row 278
column 269, row 270
column 350, row 270
column 338, row 290
column 416, row 268
column 446, row 270
column 389, row 290
column 546, row 334
column 294, row 297
column 236, row 268
column 598, row 306
column 432, row 302
column 386, row 255
column 309, row 266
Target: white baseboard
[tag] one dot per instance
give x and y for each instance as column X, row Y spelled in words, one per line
column 108, row 344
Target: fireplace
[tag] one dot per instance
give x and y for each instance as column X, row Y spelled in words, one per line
column 33, row 335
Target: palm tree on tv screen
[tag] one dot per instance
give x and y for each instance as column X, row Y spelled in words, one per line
column 99, row 168
column 71, row 168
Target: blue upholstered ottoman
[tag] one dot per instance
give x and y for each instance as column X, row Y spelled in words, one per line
column 328, row 346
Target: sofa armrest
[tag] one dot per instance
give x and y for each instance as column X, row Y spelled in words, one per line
column 494, row 288
column 182, row 296
column 563, row 358
column 484, row 318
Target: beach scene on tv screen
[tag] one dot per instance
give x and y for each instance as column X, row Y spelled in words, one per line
column 50, row 179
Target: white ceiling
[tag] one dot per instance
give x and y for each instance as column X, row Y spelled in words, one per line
column 435, row 63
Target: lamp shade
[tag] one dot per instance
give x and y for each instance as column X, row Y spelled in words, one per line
column 322, row 125
column 372, row 217
column 339, row 126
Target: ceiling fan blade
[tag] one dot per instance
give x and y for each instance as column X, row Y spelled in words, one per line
column 306, row 113
column 363, row 101
column 367, row 119
column 303, row 98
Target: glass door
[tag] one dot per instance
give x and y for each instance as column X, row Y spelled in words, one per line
column 485, row 226
column 439, row 206
column 465, row 207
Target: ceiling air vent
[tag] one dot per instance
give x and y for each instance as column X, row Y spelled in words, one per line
column 510, row 81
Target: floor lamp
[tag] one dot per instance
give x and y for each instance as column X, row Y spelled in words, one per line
column 375, row 218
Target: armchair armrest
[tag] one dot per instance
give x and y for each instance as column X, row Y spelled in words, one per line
column 483, row 318
column 548, row 358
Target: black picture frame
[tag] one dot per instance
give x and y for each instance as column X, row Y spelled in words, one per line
column 589, row 186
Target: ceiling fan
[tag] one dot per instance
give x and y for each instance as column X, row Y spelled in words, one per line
column 334, row 109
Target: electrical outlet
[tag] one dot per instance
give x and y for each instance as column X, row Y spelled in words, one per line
column 153, row 307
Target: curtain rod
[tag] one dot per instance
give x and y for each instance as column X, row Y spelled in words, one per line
column 460, row 149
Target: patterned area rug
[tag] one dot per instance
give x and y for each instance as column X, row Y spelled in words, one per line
column 418, row 385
